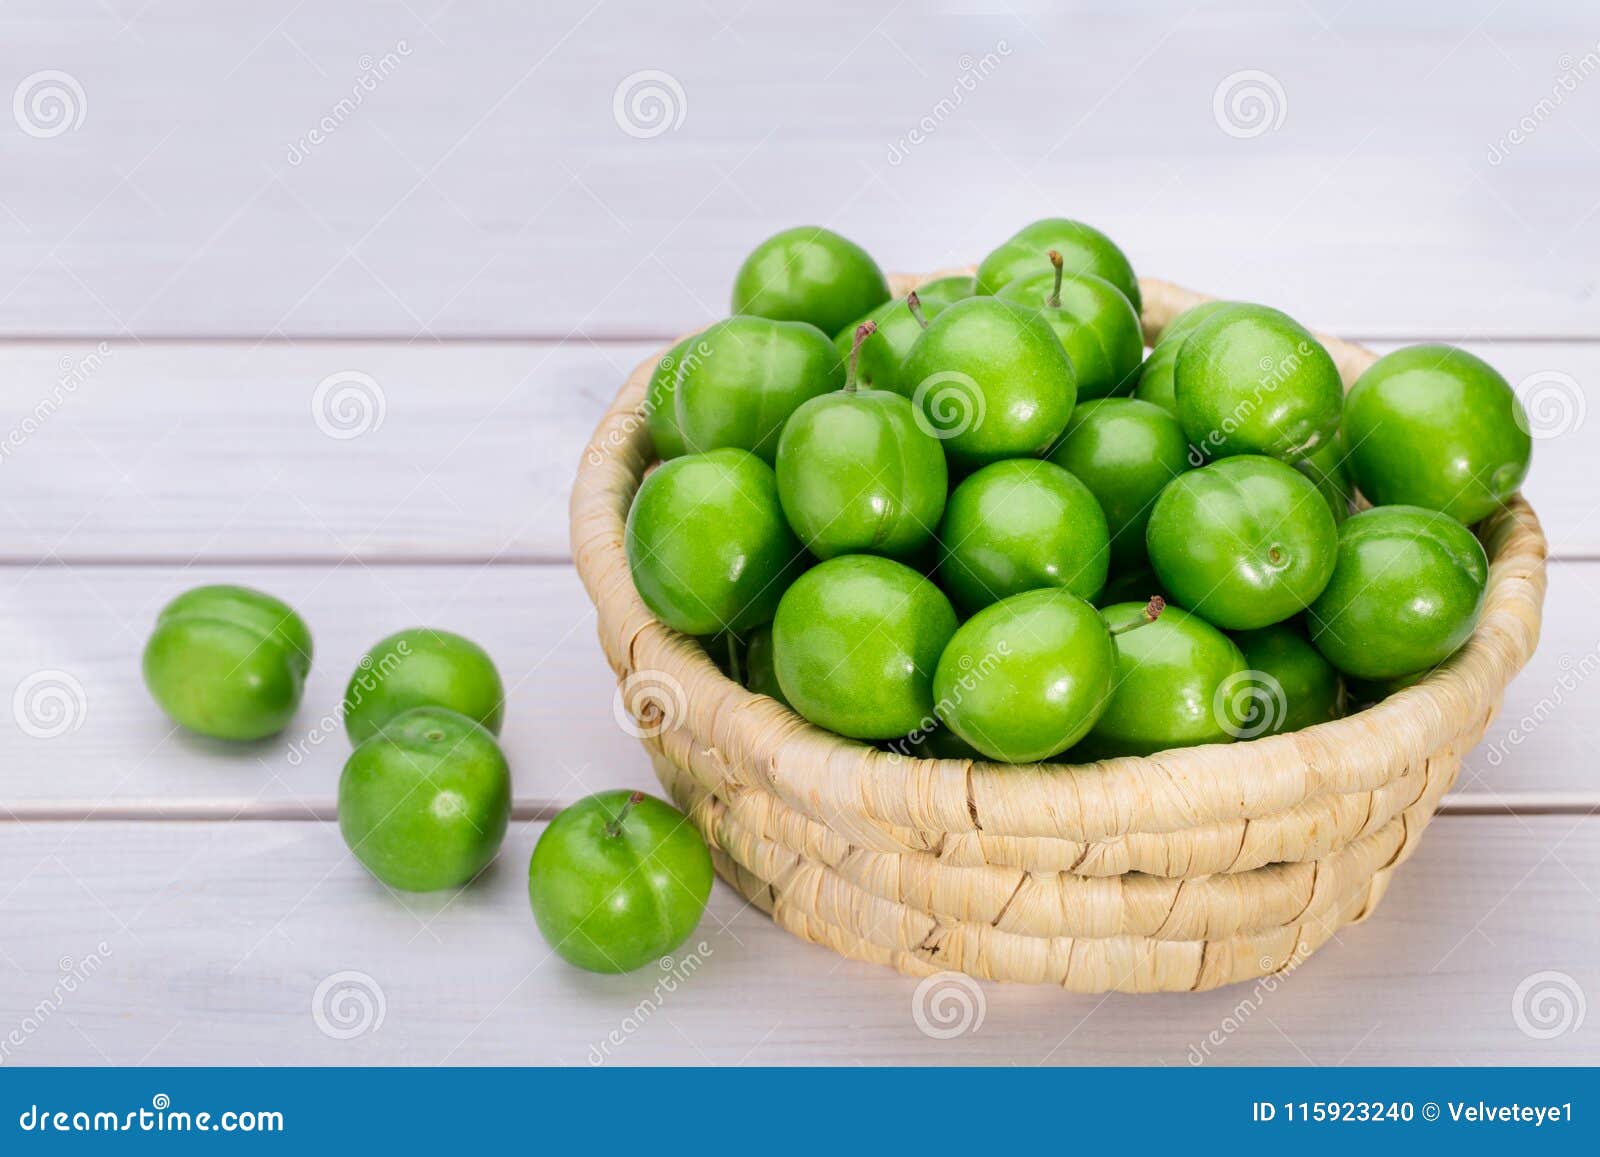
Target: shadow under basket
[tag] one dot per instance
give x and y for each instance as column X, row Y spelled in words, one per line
column 1180, row 871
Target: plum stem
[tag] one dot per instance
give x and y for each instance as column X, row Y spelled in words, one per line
column 614, row 828
column 914, row 304
column 1152, row 612
column 1054, row 300
column 863, row 331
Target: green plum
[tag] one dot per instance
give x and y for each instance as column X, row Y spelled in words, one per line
column 1365, row 692
column 1328, row 470
column 991, row 381
column 749, row 374
column 857, row 473
column 1027, row 677
column 424, row 803
column 1434, row 426
column 1292, row 685
column 1125, row 451
column 1245, row 542
column 421, row 667
column 1083, row 248
column 809, row 274
column 760, row 670
column 1252, row 380
column 618, row 880
column 1017, row 526
column 897, row 325
column 855, row 642
column 1155, row 376
column 708, row 544
column 1172, row 678
column 1406, row 593
column 661, row 403
column 1095, row 324
column 943, row 291
column 228, row 661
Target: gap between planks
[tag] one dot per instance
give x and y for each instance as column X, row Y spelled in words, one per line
column 1475, row 804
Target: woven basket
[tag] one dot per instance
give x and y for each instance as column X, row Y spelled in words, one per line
column 1181, row 871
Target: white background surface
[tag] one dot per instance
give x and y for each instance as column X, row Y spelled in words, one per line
column 483, row 238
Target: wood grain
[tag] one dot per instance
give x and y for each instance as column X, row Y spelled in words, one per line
column 217, row 936
column 484, row 185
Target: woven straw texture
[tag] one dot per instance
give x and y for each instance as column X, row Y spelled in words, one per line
column 1181, row 871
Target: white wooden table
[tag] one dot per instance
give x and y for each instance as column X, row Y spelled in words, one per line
column 481, row 247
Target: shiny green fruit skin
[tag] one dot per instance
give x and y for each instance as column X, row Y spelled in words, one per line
column 1027, row 677
column 1406, row 593
column 229, row 662
column 760, row 668
column 661, row 403
column 991, row 380
column 422, row 668
column 1083, row 248
column 1252, row 380
column 614, row 896
column 1298, row 688
column 1434, row 426
column 858, row 474
column 884, row 353
column 1125, row 451
column 424, row 803
column 750, row 375
column 1021, row 525
column 1328, row 470
column 1095, row 324
column 1166, row 690
column 1244, row 542
column 708, row 545
column 1155, row 376
column 943, row 291
column 855, row 642
column 809, row 274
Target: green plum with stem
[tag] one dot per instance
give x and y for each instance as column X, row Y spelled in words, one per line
column 1096, row 324
column 748, row 375
column 809, row 274
column 1083, row 248
column 991, row 380
column 618, row 880
column 857, row 473
column 897, row 325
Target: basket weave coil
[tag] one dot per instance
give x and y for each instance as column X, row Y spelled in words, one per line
column 1180, row 871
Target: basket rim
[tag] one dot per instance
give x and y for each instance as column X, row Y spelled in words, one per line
column 839, row 781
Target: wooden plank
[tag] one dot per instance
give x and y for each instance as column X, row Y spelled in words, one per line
column 473, row 176
column 84, row 627
column 214, row 452
column 213, row 939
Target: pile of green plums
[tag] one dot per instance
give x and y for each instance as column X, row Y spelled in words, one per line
column 617, row 880
column 980, row 520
